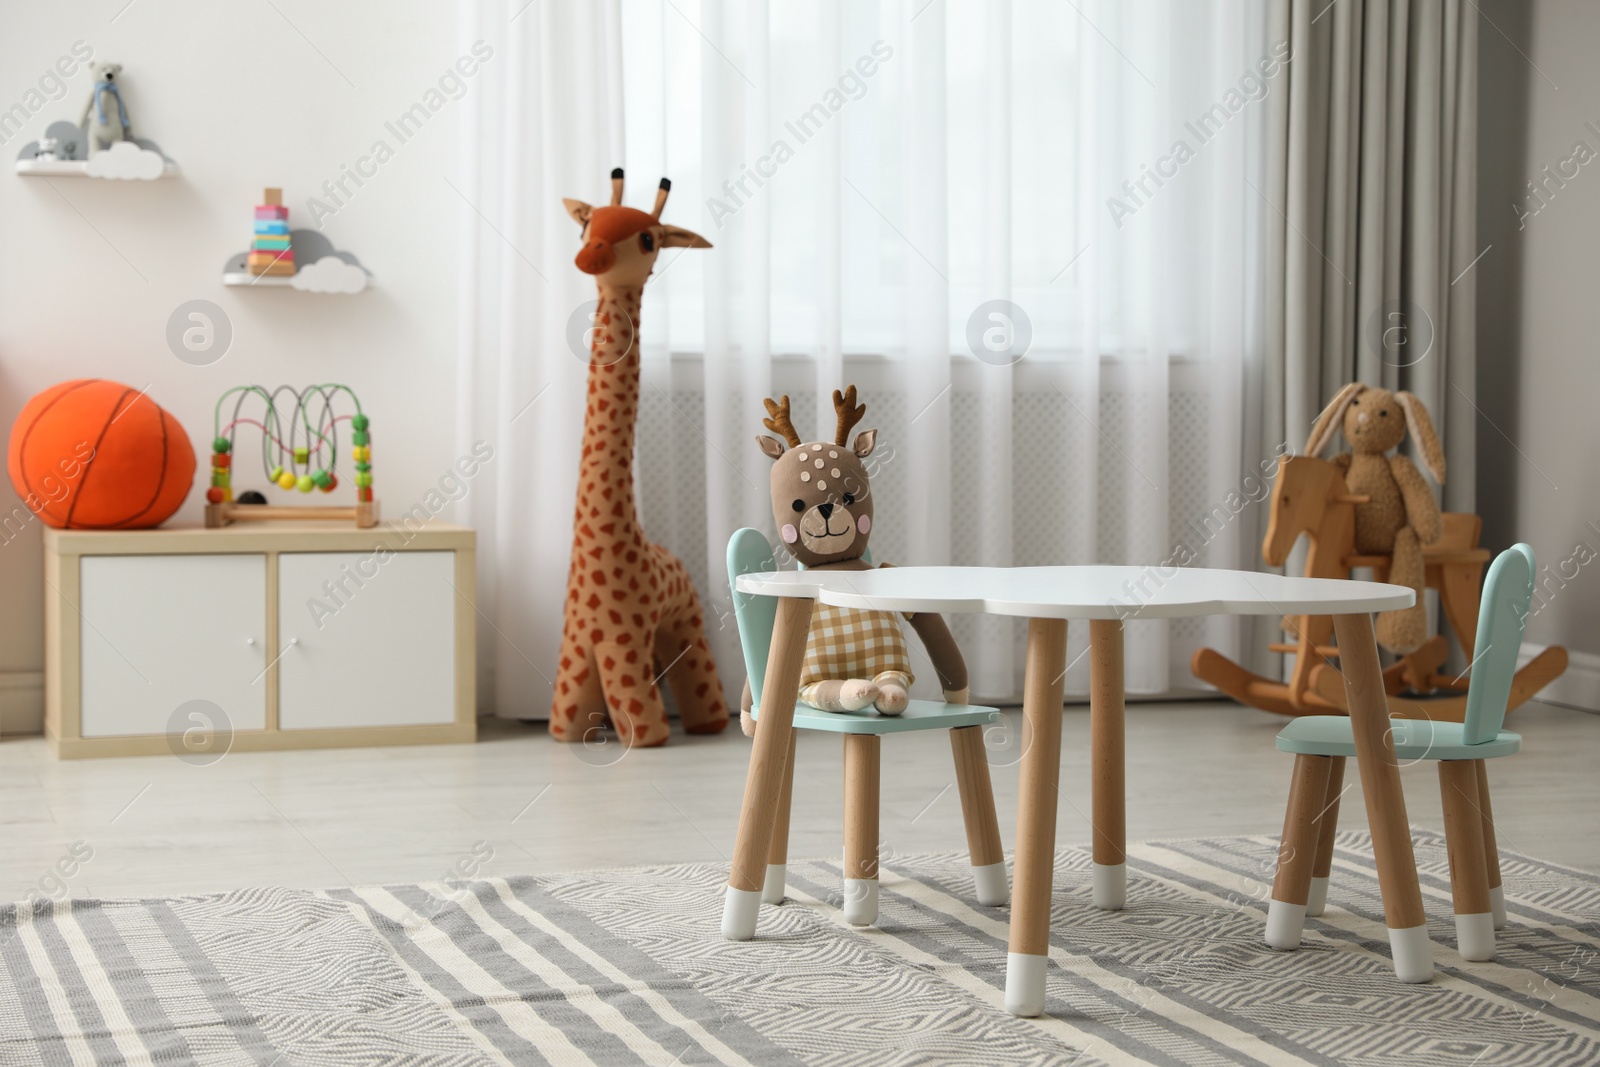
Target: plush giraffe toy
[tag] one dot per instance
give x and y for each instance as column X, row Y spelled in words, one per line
column 631, row 616
column 822, row 503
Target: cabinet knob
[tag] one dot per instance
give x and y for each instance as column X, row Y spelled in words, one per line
column 250, row 641
column 294, row 640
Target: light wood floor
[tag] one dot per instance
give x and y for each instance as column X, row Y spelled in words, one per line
column 159, row 826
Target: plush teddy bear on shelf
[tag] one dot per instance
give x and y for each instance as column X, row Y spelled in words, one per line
column 105, row 116
column 1400, row 514
column 822, row 504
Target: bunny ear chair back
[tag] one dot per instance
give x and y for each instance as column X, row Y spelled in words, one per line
column 1420, row 426
column 1331, row 419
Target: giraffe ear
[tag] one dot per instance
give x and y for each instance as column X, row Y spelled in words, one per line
column 770, row 445
column 578, row 210
column 678, row 237
column 866, row 441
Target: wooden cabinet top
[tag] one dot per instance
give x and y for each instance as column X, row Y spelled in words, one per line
column 396, row 536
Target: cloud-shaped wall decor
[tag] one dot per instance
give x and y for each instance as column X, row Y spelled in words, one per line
column 126, row 160
column 330, row 274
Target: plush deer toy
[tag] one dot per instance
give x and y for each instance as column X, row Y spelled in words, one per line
column 822, row 503
column 1400, row 515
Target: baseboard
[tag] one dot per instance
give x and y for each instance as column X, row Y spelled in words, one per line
column 21, row 702
column 1578, row 687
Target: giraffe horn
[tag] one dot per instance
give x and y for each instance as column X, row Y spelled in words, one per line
column 779, row 422
column 844, row 405
column 616, row 187
column 661, row 199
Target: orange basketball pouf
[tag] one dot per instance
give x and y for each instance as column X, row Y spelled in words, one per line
column 98, row 455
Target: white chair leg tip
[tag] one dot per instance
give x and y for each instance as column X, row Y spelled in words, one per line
column 993, row 890
column 1285, row 922
column 1413, row 954
column 1025, row 984
column 1317, row 898
column 860, row 901
column 740, row 908
column 1110, row 886
column 772, row 889
column 1475, row 936
column 1497, row 906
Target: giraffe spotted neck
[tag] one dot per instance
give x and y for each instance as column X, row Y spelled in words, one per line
column 606, row 513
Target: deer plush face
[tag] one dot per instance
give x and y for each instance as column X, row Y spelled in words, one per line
column 821, row 499
column 620, row 244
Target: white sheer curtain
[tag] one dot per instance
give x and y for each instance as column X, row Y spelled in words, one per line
column 873, row 176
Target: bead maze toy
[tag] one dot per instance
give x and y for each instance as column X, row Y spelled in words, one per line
column 298, row 452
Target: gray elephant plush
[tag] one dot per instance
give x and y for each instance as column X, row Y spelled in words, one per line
column 104, row 116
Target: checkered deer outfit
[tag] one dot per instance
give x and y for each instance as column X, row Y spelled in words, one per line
column 853, row 643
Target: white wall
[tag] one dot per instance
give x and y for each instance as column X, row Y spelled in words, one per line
column 1539, row 317
column 240, row 97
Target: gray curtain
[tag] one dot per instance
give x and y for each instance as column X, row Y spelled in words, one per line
column 1370, row 178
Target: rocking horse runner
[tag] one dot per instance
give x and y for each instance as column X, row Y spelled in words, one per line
column 630, row 609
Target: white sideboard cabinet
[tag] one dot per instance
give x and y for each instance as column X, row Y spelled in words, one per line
column 193, row 642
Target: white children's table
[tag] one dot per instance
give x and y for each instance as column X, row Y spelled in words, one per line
column 1048, row 597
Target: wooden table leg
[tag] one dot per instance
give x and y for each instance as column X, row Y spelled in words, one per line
column 1386, row 802
column 776, row 883
column 764, row 781
column 1029, row 949
column 1106, row 733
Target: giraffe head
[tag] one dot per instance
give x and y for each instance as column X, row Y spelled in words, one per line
column 620, row 244
column 821, row 499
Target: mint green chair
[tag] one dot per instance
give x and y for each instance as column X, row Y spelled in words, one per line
column 1322, row 743
column 748, row 551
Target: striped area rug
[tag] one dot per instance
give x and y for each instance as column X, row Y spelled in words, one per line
column 624, row 967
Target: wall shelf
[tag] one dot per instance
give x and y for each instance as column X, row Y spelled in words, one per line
column 135, row 160
column 73, row 168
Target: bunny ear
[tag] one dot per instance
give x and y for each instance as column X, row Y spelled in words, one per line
column 1422, row 432
column 1331, row 419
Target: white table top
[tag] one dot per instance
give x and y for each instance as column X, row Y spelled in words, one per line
column 1081, row 592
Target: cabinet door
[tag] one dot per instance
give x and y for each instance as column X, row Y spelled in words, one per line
column 160, row 631
column 366, row 643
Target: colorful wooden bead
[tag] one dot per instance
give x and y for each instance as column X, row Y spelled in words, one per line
column 277, row 472
column 360, row 437
column 222, row 460
column 321, row 478
column 359, row 422
column 304, row 483
column 286, row 480
column 222, row 444
column 364, row 479
column 361, row 453
column 363, row 466
column 214, row 495
column 364, row 495
column 331, row 484
column 302, row 454
column 219, row 478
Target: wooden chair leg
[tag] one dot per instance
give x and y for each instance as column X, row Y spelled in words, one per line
column 1327, row 826
column 977, row 809
column 1308, row 791
column 1491, row 848
column 861, row 752
column 772, row 889
column 1469, row 878
column 1107, row 759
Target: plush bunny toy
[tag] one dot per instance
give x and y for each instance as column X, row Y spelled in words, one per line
column 1401, row 514
column 822, row 503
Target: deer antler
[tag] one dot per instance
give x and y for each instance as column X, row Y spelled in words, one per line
column 844, row 404
column 779, row 422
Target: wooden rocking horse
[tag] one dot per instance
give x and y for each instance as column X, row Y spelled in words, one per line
column 1310, row 497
